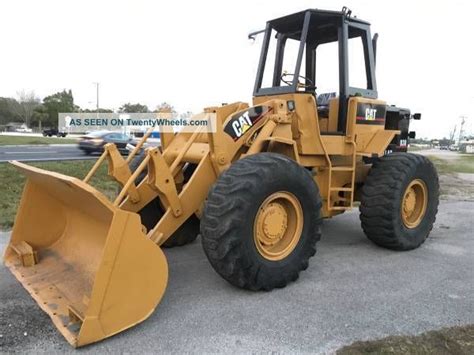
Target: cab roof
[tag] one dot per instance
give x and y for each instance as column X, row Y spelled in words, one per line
column 322, row 27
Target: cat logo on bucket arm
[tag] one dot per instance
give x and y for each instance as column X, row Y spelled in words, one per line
column 243, row 121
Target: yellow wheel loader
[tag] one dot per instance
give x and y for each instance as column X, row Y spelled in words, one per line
column 255, row 190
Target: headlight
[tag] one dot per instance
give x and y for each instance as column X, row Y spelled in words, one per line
column 96, row 141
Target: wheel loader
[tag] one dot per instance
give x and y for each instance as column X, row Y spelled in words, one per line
column 255, row 190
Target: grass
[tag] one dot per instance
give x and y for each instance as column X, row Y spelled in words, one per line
column 23, row 140
column 455, row 340
column 463, row 164
column 12, row 182
column 415, row 148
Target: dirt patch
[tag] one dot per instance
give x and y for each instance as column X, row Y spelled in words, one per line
column 456, row 175
column 455, row 340
column 456, row 186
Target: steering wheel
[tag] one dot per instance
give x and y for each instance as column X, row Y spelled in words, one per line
column 311, row 85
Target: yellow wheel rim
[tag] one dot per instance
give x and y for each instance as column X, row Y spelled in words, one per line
column 278, row 226
column 414, row 202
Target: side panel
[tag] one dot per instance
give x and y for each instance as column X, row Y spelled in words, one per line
column 398, row 119
column 305, row 127
column 366, row 121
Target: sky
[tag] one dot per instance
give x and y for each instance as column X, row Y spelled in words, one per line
column 195, row 54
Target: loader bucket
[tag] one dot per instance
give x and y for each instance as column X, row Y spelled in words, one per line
column 87, row 263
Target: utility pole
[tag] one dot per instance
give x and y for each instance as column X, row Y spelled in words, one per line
column 97, row 98
column 463, row 121
column 453, row 133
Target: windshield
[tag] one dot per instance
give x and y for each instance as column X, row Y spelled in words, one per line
column 282, row 67
column 281, row 61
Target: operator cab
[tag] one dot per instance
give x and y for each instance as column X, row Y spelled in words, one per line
column 293, row 47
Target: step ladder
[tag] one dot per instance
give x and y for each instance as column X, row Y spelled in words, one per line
column 347, row 201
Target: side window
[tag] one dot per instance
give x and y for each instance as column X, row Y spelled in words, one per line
column 358, row 59
column 327, row 68
column 267, row 81
column 290, row 57
column 357, row 72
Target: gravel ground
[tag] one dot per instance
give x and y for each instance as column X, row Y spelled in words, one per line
column 353, row 290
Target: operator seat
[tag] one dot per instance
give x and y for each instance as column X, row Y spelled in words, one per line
column 323, row 103
column 328, row 107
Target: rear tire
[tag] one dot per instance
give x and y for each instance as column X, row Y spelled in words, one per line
column 231, row 230
column 388, row 218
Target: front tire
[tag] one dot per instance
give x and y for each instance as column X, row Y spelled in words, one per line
column 185, row 234
column 152, row 213
column 399, row 201
column 261, row 222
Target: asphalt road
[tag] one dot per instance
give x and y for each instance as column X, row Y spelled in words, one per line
column 352, row 290
column 42, row 152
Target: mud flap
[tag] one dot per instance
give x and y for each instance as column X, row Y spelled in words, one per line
column 87, row 263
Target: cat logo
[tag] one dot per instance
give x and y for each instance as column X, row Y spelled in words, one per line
column 242, row 124
column 370, row 114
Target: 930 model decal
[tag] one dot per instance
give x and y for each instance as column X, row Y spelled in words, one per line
column 241, row 122
column 371, row 114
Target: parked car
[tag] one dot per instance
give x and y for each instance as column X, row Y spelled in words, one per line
column 53, row 132
column 95, row 141
column 23, row 129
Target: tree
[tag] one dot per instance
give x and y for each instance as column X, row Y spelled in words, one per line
column 101, row 110
column 187, row 114
column 40, row 115
column 25, row 106
column 59, row 102
column 131, row 108
column 165, row 107
column 167, row 110
column 7, row 114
